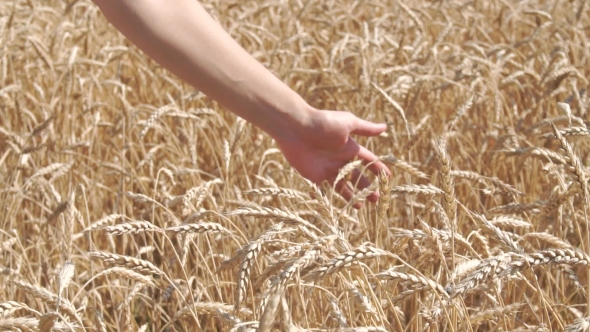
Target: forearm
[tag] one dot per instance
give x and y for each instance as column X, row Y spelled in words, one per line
column 182, row 37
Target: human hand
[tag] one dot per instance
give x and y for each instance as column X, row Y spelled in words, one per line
column 186, row 40
column 323, row 145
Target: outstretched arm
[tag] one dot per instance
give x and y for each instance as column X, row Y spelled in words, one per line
column 182, row 37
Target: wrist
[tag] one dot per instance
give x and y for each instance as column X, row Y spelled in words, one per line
column 289, row 120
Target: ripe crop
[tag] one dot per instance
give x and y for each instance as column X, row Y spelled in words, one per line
column 129, row 201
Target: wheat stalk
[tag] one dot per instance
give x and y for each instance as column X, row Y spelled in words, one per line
column 132, row 263
column 579, row 325
column 134, row 227
column 200, row 227
column 575, row 165
column 345, row 260
column 392, row 274
column 9, row 307
column 268, row 212
column 128, row 274
column 50, row 298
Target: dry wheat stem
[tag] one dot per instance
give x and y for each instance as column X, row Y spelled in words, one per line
column 417, row 189
column 31, row 324
column 544, row 257
column 575, row 164
column 488, row 314
column 268, row 212
column 9, row 307
column 345, row 260
column 393, row 274
column 199, row 227
column 50, row 298
column 579, row 325
column 132, row 263
column 134, row 227
column 126, row 273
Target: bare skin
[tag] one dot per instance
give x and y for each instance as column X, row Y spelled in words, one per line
column 183, row 38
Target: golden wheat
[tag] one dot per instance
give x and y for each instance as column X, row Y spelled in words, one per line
column 132, row 202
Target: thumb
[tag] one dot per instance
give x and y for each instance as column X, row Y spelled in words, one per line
column 367, row 128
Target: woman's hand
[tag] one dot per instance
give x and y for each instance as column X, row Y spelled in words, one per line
column 183, row 38
column 322, row 145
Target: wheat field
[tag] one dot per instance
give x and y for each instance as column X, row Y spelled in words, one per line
column 131, row 202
